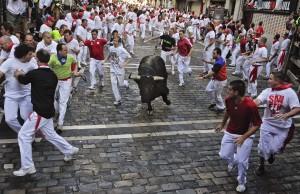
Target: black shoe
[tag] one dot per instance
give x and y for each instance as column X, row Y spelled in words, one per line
column 58, row 131
column 260, row 170
column 211, row 106
column 219, row 111
column 271, row 159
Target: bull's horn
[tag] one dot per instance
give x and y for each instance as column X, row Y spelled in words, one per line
column 132, row 76
column 156, row 78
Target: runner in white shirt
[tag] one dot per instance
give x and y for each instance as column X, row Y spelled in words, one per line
column 109, row 21
column 71, row 43
column 259, row 59
column 47, row 43
column 129, row 32
column 209, row 44
column 283, row 50
column 277, row 126
column 17, row 96
column 119, row 26
column 47, row 26
column 118, row 58
column 228, row 42
column 273, row 55
column 142, row 20
column 62, row 21
column 82, row 35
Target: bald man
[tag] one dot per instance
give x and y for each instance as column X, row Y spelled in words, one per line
column 47, row 43
column 6, row 45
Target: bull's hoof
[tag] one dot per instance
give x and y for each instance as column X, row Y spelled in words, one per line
column 168, row 102
column 150, row 112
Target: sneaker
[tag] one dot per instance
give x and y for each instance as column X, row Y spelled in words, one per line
column 69, row 157
column 211, row 106
column 181, row 84
column 231, row 65
column 218, row 111
column 235, row 74
column 58, row 129
column 117, row 103
column 23, row 172
column 92, row 88
column 241, row 188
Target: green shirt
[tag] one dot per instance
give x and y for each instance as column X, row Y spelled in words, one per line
column 62, row 71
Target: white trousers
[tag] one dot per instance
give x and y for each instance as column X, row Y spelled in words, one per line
column 214, row 88
column 235, row 54
column 183, row 66
column 96, row 66
column 246, row 68
column 269, row 66
column 236, row 155
column 130, row 43
column 26, row 136
column 117, row 80
column 143, row 30
column 225, row 51
column 168, row 54
column 82, row 55
column 11, row 107
column 239, row 63
column 252, row 86
column 271, row 140
column 208, row 57
column 62, row 94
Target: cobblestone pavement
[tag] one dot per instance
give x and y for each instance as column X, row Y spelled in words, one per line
column 123, row 150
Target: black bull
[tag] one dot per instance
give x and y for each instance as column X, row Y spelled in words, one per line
column 152, row 80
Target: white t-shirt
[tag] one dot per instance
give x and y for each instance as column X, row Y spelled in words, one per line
column 14, row 39
column 259, row 54
column 229, row 39
column 285, row 44
column 117, row 56
column 60, row 22
column 210, row 35
column 72, row 45
column 44, row 3
column 16, row 7
column 142, row 19
column 81, row 32
column 50, row 48
column 45, row 28
column 91, row 24
column 129, row 28
column 98, row 23
column 119, row 28
column 13, row 89
column 278, row 102
column 275, row 48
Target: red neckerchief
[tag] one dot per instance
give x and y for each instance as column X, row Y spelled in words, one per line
column 275, row 41
column 261, row 46
column 282, row 87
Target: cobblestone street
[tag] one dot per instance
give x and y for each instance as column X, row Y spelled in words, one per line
column 123, row 150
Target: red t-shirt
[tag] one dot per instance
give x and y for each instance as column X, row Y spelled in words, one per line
column 184, row 46
column 96, row 48
column 242, row 116
column 259, row 31
column 243, row 45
